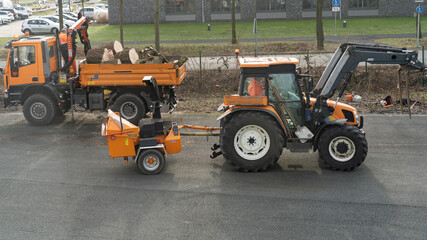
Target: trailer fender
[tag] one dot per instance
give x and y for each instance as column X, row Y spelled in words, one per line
column 322, row 128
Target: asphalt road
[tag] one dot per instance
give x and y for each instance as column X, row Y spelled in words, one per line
column 57, row 182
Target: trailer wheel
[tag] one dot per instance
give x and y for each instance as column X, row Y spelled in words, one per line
column 251, row 141
column 130, row 107
column 151, row 161
column 343, row 147
column 39, row 109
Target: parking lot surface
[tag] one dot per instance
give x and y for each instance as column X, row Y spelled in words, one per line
column 58, row 182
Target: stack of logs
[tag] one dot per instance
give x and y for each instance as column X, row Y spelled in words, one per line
column 114, row 53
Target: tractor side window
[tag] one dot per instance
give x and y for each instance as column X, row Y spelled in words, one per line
column 254, row 86
column 283, row 87
column 27, row 56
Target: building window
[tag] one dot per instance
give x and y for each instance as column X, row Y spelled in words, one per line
column 180, row 6
column 270, row 5
column 224, row 5
column 363, row 3
column 311, row 4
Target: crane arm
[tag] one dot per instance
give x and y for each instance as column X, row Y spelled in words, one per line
column 348, row 56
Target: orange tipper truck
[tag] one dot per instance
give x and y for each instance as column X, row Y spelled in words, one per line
column 35, row 77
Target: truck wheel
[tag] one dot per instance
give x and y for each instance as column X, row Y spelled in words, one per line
column 251, row 141
column 130, row 107
column 151, row 161
column 343, row 147
column 39, row 109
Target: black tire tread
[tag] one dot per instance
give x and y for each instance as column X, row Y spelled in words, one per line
column 226, row 136
column 125, row 97
column 40, row 97
column 345, row 129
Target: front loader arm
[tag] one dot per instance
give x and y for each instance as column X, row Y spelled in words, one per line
column 348, row 56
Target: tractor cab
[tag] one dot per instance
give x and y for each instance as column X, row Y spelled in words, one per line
column 269, row 82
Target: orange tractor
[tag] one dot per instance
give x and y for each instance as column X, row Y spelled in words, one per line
column 277, row 108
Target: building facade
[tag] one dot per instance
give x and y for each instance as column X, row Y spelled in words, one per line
column 142, row 11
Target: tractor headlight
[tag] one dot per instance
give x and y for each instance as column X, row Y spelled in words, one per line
column 356, row 116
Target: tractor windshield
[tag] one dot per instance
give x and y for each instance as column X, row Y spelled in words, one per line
column 283, row 89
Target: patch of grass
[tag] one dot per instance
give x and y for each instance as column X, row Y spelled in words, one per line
column 266, row 29
column 410, row 43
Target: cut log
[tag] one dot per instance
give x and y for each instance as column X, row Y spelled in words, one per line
column 133, row 56
column 115, row 46
column 123, row 56
column 108, row 55
column 94, row 56
column 118, row 61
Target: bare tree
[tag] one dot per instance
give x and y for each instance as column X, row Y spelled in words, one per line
column 121, row 22
column 156, row 25
column 319, row 26
column 61, row 19
column 233, row 22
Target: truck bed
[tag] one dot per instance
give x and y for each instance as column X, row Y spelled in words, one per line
column 130, row 74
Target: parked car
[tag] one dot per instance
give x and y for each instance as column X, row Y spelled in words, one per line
column 17, row 14
column 39, row 25
column 11, row 10
column 6, row 15
column 24, row 10
column 101, row 6
column 65, row 16
column 65, row 9
column 90, row 12
column 38, row 5
column 70, row 14
column 55, row 19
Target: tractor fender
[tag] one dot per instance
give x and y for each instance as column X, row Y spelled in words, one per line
column 322, row 128
column 271, row 113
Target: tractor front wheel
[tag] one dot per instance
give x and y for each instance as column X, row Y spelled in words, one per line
column 343, row 147
column 251, row 141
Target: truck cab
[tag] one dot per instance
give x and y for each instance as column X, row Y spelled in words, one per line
column 32, row 62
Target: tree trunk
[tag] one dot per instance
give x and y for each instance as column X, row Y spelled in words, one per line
column 319, row 26
column 233, row 22
column 121, row 22
column 61, row 19
column 94, row 55
column 156, row 25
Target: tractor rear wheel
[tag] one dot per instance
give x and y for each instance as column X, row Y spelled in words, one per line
column 343, row 147
column 251, row 141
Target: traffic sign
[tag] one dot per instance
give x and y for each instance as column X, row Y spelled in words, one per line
column 336, row 3
column 419, row 9
column 335, row 9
